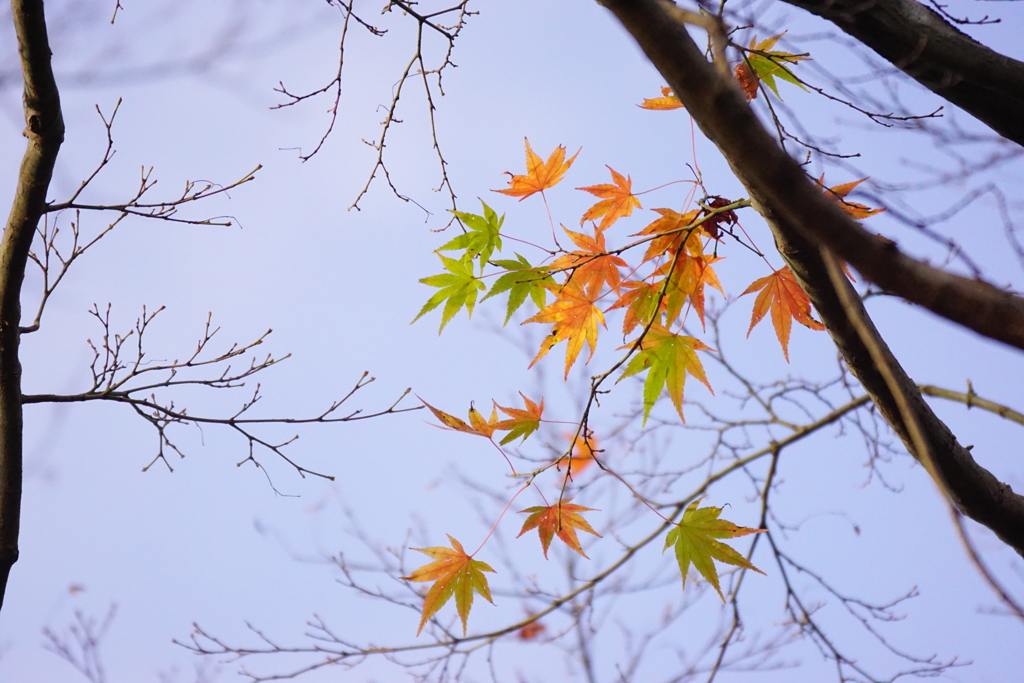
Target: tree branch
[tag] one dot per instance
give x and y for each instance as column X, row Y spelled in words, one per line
column 45, row 133
column 803, row 219
column 770, row 174
column 918, row 41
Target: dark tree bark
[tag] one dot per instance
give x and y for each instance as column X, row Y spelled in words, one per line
column 915, row 39
column 804, row 221
column 45, row 133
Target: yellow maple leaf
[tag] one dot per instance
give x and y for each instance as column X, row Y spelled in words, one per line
column 852, row 209
column 667, row 101
column 454, row 573
column 477, row 424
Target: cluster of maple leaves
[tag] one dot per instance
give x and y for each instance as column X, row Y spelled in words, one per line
column 655, row 295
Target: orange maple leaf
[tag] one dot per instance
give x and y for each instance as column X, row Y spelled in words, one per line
column 477, row 424
column 671, row 232
column 781, row 293
column 639, row 301
column 561, row 519
column 852, row 209
column 687, row 281
column 575, row 317
column 592, row 265
column 668, row 100
column 523, row 423
column 532, row 631
column 540, row 175
column 583, row 453
column 455, row 573
column 617, row 200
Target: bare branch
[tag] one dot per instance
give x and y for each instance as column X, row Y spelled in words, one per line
column 122, row 373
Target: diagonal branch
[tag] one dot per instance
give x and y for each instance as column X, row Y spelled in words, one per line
column 45, row 133
column 915, row 39
column 803, row 220
column 770, row 174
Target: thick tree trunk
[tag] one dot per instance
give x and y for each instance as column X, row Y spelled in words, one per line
column 804, row 221
column 45, row 133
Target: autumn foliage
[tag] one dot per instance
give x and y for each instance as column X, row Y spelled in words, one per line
column 652, row 276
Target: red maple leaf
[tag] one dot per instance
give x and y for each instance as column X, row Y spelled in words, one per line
column 561, row 519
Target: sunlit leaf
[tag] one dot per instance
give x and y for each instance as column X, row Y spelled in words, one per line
column 575, row 317
column 780, row 293
column 617, row 200
column 540, row 175
column 667, row 101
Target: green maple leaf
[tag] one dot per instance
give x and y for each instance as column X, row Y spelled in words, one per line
column 694, row 541
column 522, row 281
column 771, row 63
column 482, row 238
column 459, row 288
column 667, row 357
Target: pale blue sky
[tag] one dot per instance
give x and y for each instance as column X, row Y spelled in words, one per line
column 212, row 543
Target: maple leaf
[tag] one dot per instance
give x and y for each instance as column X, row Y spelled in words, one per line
column 583, row 452
column 483, row 236
column 781, row 293
column 639, row 301
column 523, row 423
column 477, row 424
column 522, row 281
column 712, row 226
column 747, row 80
column 668, row 100
column 767, row 63
column 671, row 232
column 561, row 519
column 459, row 288
column 540, row 175
column 852, row 209
column 667, row 357
column 592, row 265
column 617, row 200
column 454, row 573
column 694, row 541
column 686, row 283
column 532, row 631
column 575, row 318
